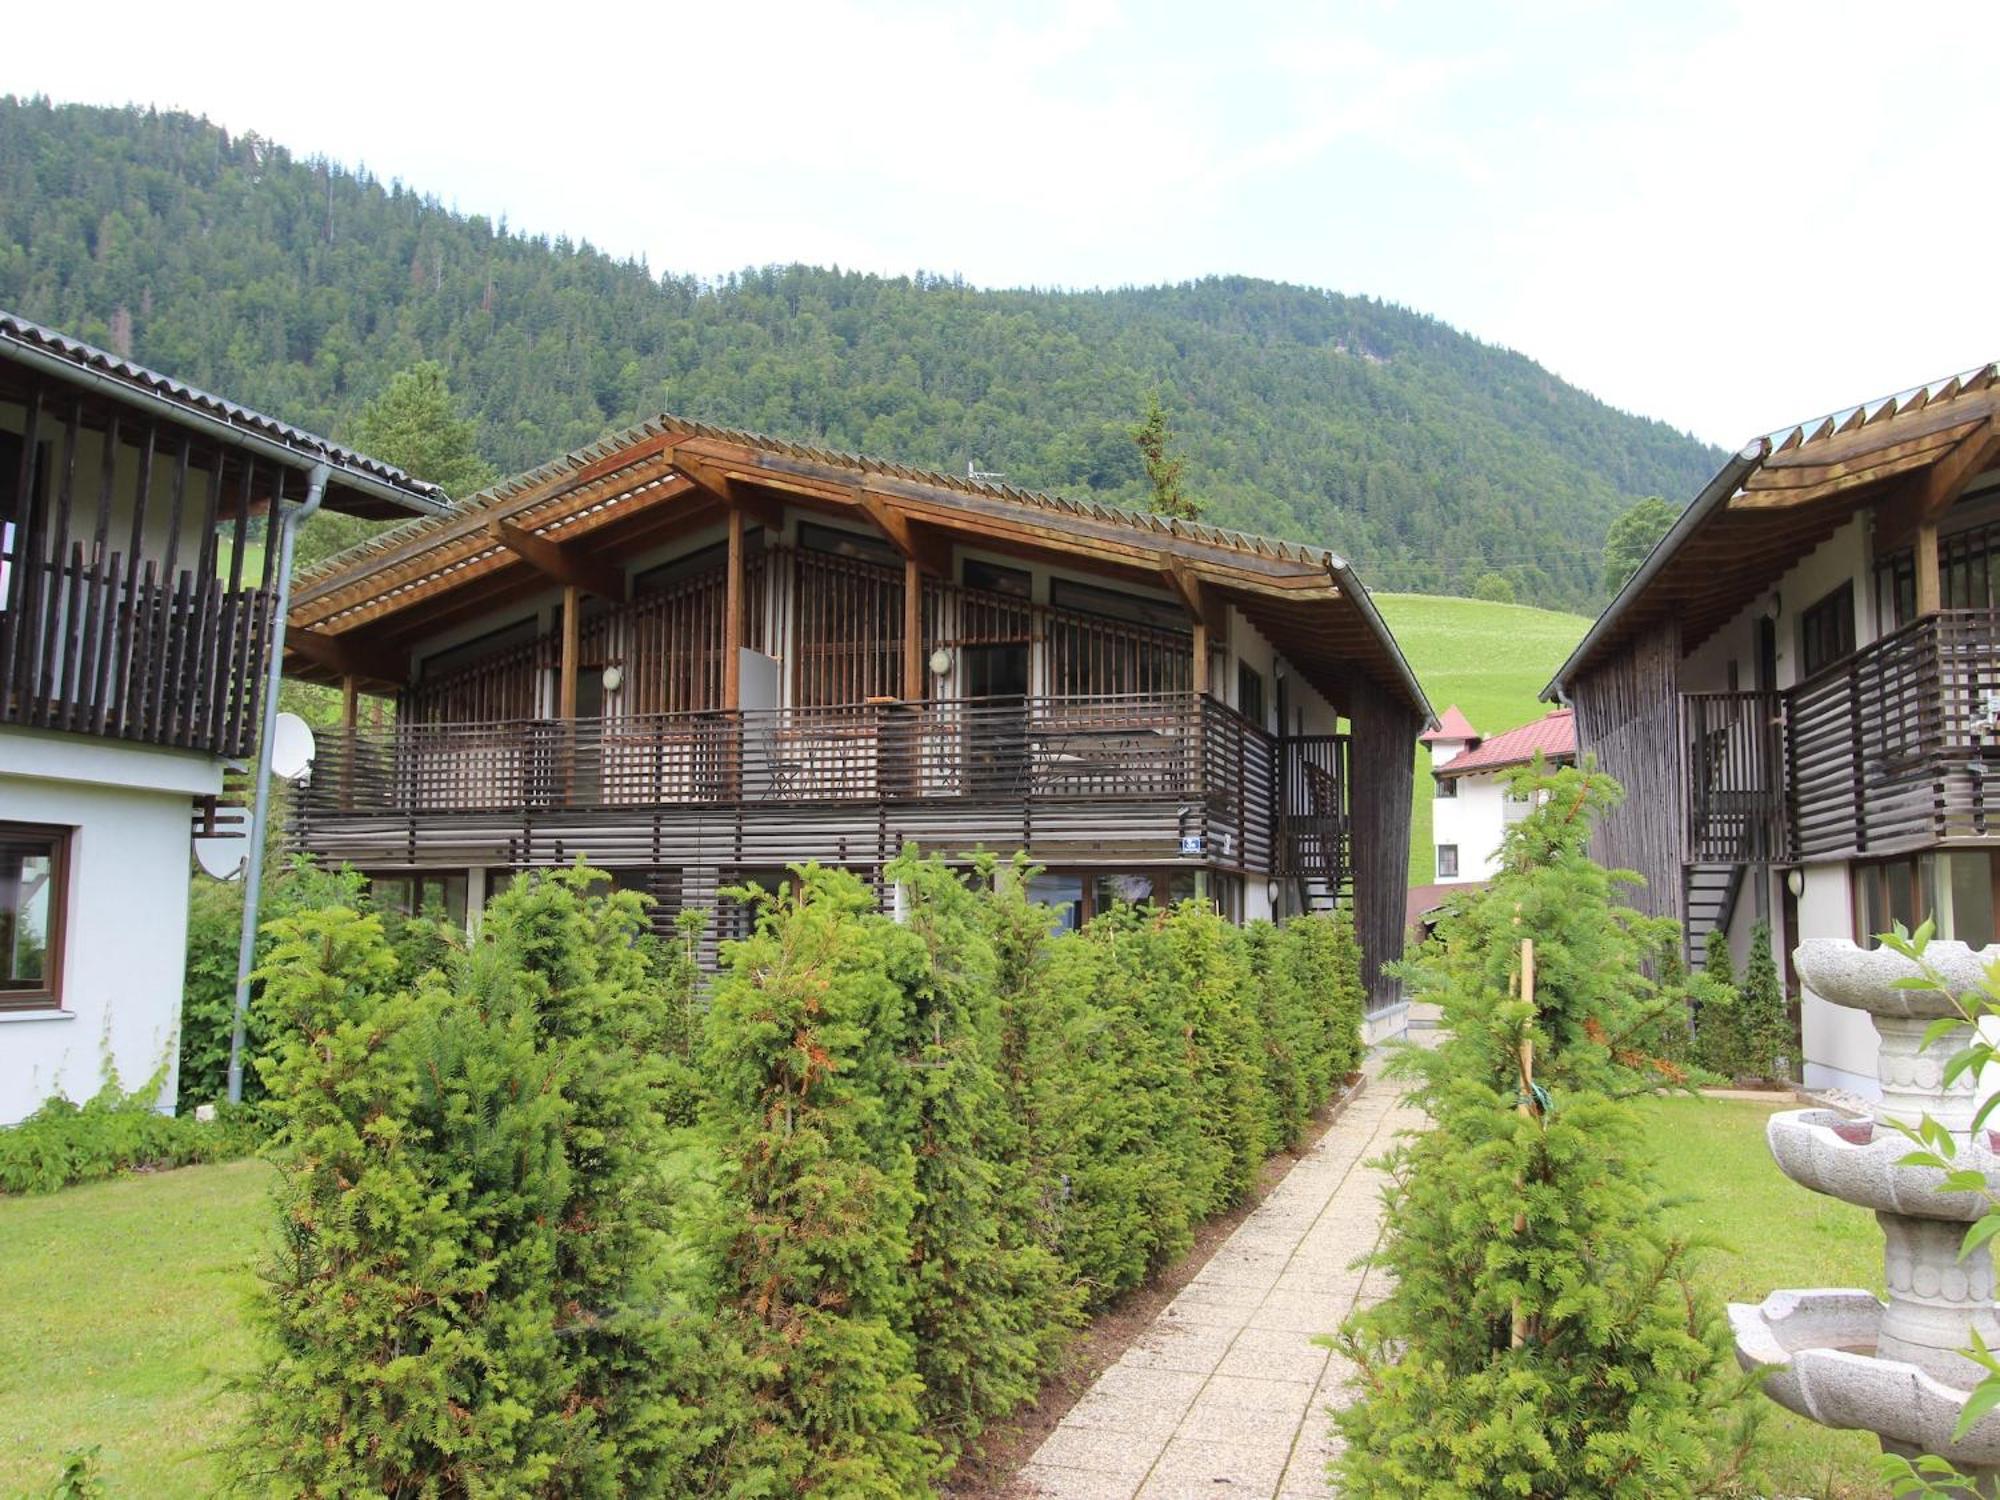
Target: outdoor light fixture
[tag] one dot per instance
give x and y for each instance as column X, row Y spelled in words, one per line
column 941, row 662
column 614, row 678
column 1795, row 882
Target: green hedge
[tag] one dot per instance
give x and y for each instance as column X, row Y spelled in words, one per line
column 551, row 1224
column 63, row 1143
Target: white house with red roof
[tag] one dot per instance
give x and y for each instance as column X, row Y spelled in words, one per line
column 1475, row 802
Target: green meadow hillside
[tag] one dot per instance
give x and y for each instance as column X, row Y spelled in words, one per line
column 1492, row 660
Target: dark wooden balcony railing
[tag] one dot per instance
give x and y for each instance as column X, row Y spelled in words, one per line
column 1733, row 746
column 1887, row 751
column 1264, row 809
column 1034, row 748
column 91, row 649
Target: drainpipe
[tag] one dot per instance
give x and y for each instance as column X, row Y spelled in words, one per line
column 253, row 875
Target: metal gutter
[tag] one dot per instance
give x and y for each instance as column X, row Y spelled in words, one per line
column 425, row 499
column 1716, row 494
column 1352, row 587
column 289, row 523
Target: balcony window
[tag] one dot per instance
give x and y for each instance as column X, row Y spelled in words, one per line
column 436, row 894
column 1826, row 631
column 1250, row 693
column 1447, row 786
column 34, row 878
column 1447, row 861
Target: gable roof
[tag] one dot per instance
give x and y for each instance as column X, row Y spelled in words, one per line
column 1451, row 725
column 669, row 471
column 1784, row 494
column 358, row 484
column 1552, row 736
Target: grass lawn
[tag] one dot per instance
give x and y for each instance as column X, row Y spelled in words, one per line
column 121, row 1314
column 1492, row 660
column 1772, row 1234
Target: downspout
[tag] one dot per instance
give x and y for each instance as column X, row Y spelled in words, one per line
column 253, row 875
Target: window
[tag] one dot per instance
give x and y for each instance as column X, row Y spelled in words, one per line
column 1826, row 631
column 1447, row 786
column 435, row 893
column 34, row 887
column 1110, row 604
column 1955, row 889
column 1250, row 693
column 856, row 544
column 1447, row 861
column 994, row 578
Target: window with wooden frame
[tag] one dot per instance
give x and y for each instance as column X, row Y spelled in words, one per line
column 1447, row 858
column 1826, row 631
column 1447, row 787
column 34, row 900
column 1250, row 693
column 1957, row 889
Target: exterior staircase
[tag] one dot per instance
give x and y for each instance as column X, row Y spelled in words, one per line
column 1708, row 901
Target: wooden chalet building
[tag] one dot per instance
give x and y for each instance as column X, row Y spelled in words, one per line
column 139, row 521
column 1800, row 690
column 695, row 656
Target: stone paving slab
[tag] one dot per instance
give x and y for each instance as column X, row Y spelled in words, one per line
column 1226, row 1394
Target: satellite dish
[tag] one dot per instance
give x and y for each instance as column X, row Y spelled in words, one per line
column 291, row 747
column 221, row 857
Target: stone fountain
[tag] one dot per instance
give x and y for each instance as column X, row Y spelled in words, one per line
column 1846, row 1358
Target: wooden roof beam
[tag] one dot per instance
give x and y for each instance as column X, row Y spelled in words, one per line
column 1200, row 600
column 349, row 658
column 915, row 542
column 563, row 564
column 1927, row 494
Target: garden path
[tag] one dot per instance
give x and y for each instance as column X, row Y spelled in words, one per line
column 1226, row 1394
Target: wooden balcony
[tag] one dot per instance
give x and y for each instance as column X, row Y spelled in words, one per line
column 1137, row 774
column 1888, row 751
column 89, row 648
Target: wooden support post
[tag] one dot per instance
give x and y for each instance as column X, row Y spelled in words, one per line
column 1200, row 658
column 1929, row 592
column 913, row 631
column 1518, row 1334
column 350, row 717
column 732, row 616
column 572, row 646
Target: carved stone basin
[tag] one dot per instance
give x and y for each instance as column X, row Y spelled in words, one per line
column 1817, row 1349
column 1865, row 978
column 1810, row 1148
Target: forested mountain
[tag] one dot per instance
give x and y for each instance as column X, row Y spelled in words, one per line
column 299, row 287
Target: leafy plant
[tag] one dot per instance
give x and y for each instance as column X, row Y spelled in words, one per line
column 63, row 1143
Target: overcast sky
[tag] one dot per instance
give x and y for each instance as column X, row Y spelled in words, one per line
column 1729, row 216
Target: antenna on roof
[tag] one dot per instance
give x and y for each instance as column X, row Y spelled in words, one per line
column 981, row 476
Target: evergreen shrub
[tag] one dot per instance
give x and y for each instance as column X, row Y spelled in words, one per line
column 1544, row 1336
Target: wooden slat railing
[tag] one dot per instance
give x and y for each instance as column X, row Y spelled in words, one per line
column 1033, row 749
column 1315, row 818
column 1882, row 753
column 1733, row 746
column 105, row 653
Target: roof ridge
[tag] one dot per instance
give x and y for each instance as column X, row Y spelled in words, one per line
column 1275, row 548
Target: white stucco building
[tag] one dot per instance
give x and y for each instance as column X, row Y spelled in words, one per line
column 1474, row 803
column 141, row 523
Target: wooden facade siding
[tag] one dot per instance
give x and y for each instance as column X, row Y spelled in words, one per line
column 122, row 631
column 1380, row 753
column 1628, row 719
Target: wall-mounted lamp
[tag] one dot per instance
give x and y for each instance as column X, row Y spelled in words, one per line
column 941, row 662
column 1273, row 890
column 614, row 679
column 1795, row 882
column 1776, row 607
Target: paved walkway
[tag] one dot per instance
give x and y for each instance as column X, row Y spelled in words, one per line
column 1226, row 1394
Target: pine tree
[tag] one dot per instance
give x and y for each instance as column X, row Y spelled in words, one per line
column 1164, row 463
column 414, row 424
column 1544, row 1336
